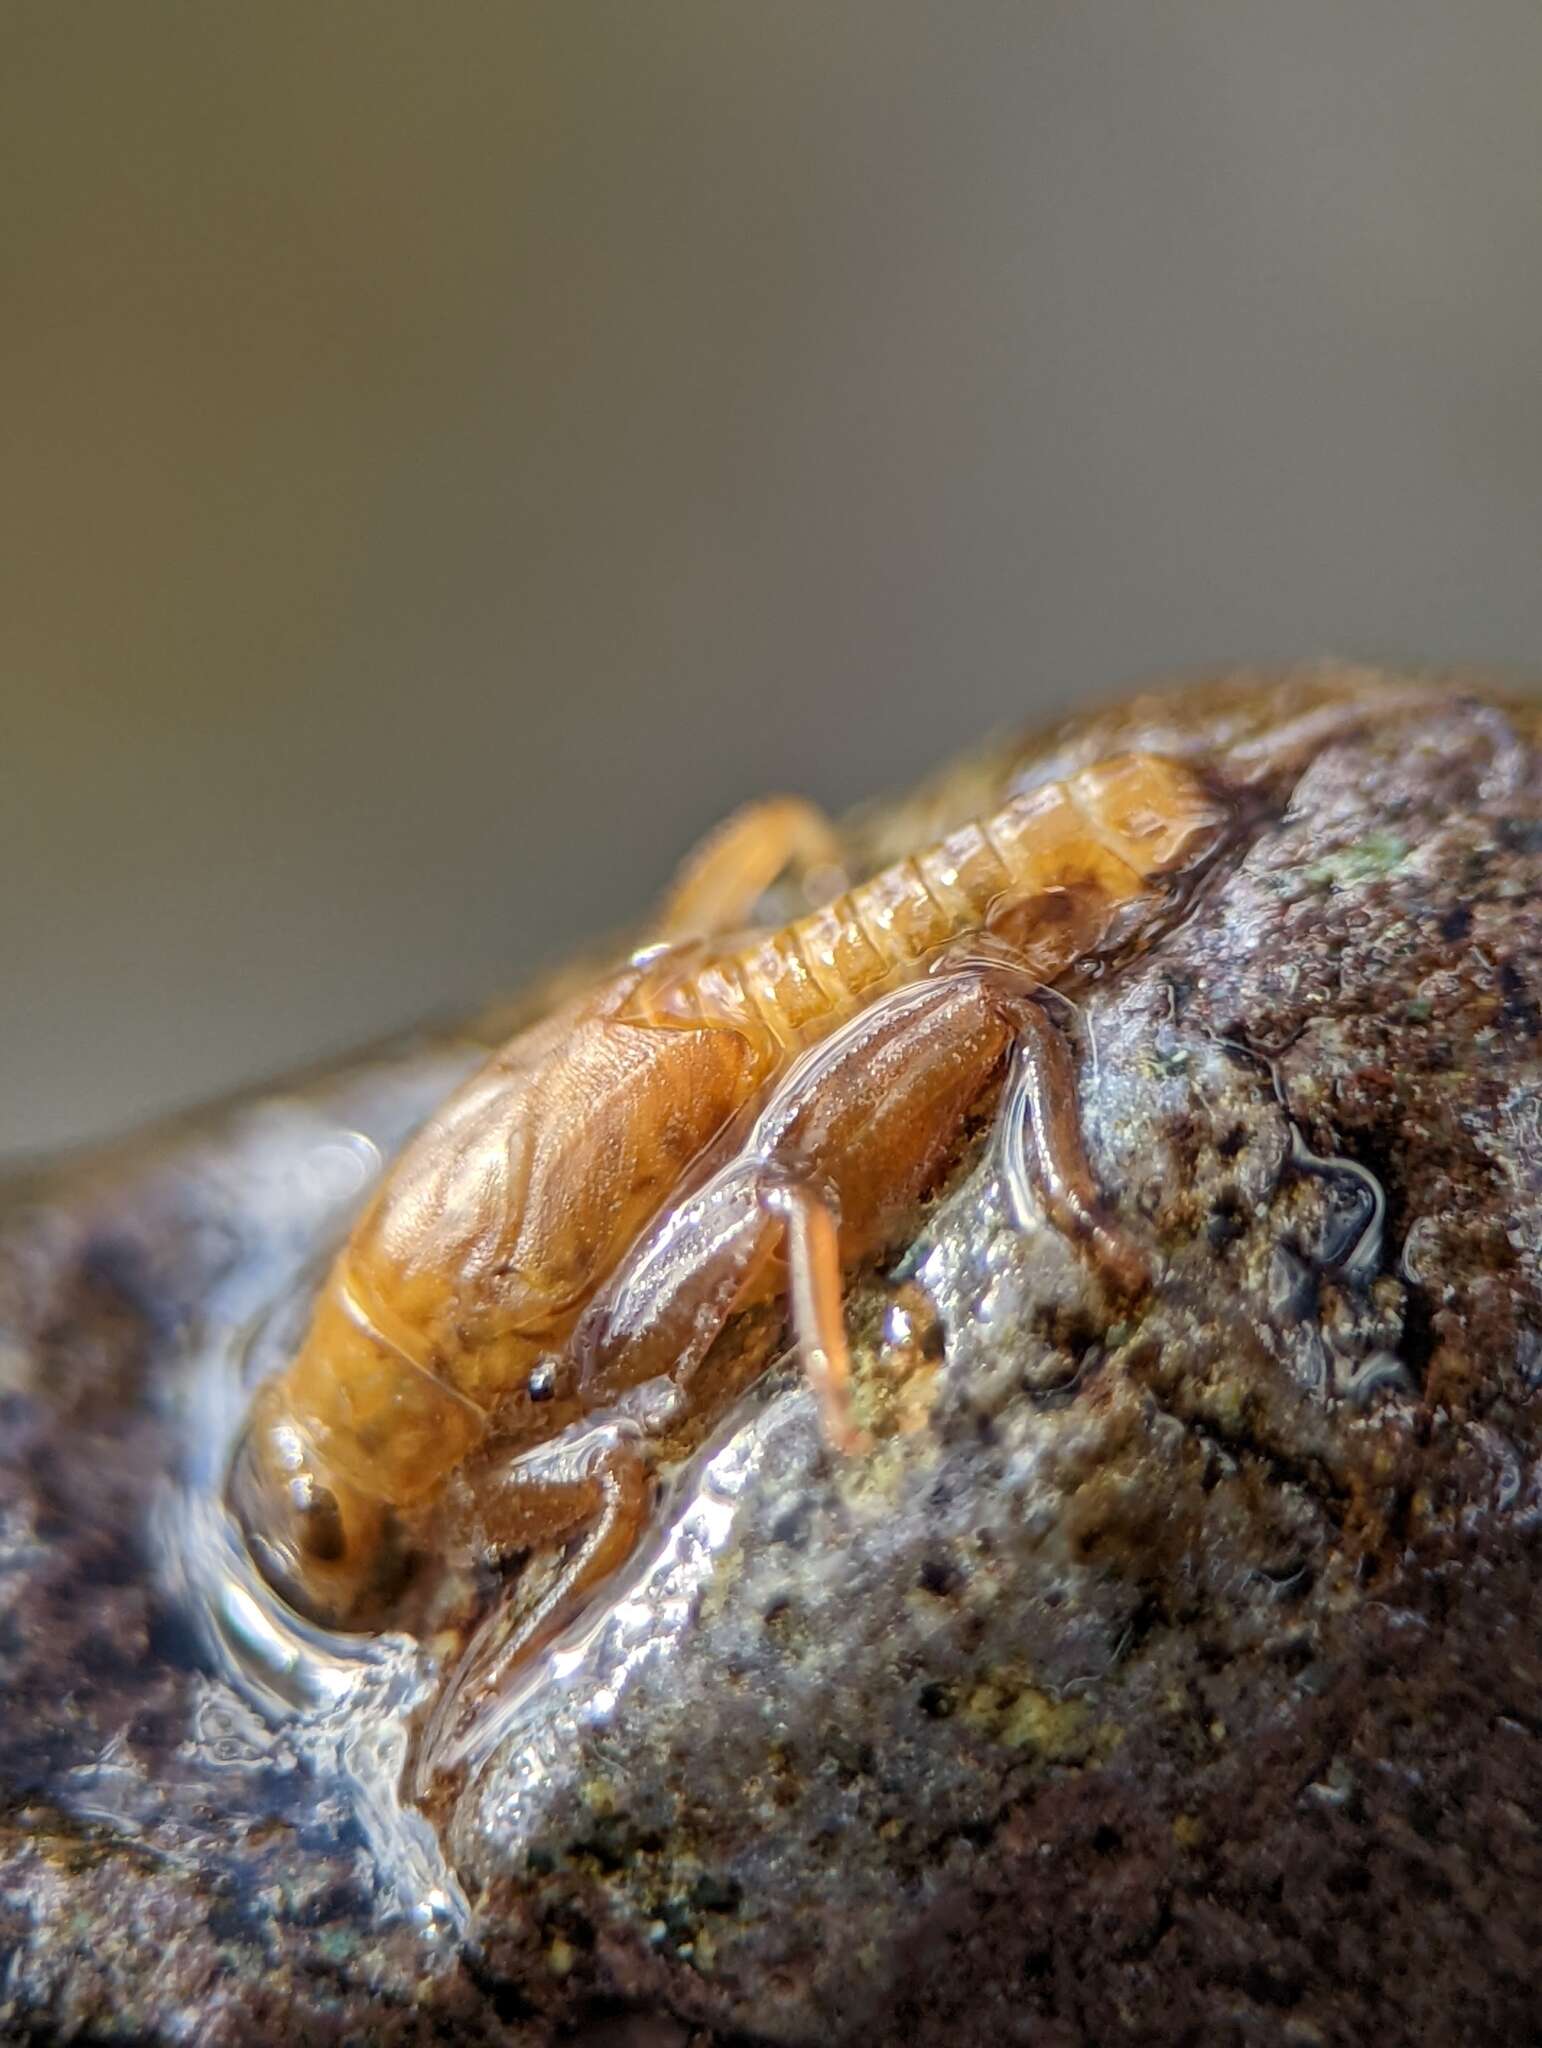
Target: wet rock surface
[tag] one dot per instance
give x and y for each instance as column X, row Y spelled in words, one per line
column 172, row 1866
column 1168, row 1672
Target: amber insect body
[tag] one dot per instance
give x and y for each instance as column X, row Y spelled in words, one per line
column 720, row 1120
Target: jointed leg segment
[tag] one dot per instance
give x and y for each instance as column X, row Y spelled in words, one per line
column 818, row 1310
column 601, row 1489
column 844, row 1146
column 721, row 882
column 1042, row 1149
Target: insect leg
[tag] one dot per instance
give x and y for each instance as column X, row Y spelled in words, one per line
column 839, row 1153
column 1039, row 1134
column 666, row 1311
column 818, row 1310
column 598, row 1484
column 720, row 883
column 830, row 1172
column 665, row 1307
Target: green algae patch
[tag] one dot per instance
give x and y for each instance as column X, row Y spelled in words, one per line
column 1367, row 860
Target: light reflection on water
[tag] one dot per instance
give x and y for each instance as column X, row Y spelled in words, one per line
column 635, row 1619
column 336, row 1707
column 333, row 1711
column 341, row 1705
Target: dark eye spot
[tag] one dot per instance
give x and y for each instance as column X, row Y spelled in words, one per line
column 543, row 1381
column 320, row 1520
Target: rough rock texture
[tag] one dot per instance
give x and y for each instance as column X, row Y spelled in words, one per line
column 171, row 1867
column 1168, row 1673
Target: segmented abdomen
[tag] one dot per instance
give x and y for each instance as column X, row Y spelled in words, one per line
column 1055, row 864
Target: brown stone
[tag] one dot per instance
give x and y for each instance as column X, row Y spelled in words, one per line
column 1167, row 1673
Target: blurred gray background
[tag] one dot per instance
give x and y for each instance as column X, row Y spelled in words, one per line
column 449, row 455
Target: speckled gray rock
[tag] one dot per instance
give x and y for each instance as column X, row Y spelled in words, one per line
column 963, row 1739
column 1167, row 1673
column 172, row 1867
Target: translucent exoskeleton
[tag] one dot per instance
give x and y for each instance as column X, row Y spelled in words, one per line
column 725, row 1119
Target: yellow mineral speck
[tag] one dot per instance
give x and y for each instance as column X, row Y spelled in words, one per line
column 884, row 1474
column 1217, row 1731
column 1105, row 1739
column 560, row 1957
column 918, row 1397
column 1052, row 1726
column 598, row 1796
column 1023, row 1716
column 706, row 1950
column 1228, row 1402
column 1187, row 1831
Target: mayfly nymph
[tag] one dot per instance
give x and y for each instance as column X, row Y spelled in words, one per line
column 726, row 1118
